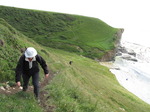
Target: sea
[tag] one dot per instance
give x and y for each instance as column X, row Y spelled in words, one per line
column 132, row 69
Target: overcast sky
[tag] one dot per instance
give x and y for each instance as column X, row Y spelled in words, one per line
column 132, row 15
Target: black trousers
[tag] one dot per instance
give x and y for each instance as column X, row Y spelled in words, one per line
column 35, row 82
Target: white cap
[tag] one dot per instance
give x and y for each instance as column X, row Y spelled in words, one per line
column 30, row 52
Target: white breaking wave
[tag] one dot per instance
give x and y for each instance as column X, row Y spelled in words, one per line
column 132, row 75
column 142, row 52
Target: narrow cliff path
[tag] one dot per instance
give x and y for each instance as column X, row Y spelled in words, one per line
column 43, row 94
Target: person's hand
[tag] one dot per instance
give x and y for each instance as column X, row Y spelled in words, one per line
column 46, row 75
column 18, row 84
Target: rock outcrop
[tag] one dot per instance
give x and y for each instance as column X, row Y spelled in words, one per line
column 126, row 53
column 110, row 55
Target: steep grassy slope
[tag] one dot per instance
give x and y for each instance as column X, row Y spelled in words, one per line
column 84, row 86
column 9, row 50
column 12, row 44
column 87, row 36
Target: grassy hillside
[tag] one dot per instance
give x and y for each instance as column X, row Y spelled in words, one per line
column 87, row 36
column 83, row 86
column 12, row 45
column 86, row 86
column 9, row 50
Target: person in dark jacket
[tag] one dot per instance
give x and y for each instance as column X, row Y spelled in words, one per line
column 28, row 67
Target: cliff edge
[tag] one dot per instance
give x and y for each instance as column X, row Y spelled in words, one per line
column 109, row 56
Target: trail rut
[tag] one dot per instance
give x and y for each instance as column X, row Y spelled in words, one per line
column 43, row 93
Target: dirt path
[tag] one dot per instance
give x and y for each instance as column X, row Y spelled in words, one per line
column 43, row 93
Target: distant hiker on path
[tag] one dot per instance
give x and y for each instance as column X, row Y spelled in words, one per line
column 28, row 67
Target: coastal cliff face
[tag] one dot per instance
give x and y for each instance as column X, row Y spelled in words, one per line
column 109, row 56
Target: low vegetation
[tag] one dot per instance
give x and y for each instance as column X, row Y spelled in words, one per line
column 86, row 36
column 20, row 102
column 81, row 86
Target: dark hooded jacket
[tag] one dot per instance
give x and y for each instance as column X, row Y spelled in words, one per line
column 23, row 67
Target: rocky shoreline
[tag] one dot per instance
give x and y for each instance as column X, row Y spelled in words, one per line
column 132, row 62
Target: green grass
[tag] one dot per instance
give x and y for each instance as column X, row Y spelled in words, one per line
column 10, row 51
column 20, row 102
column 79, row 34
column 84, row 86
